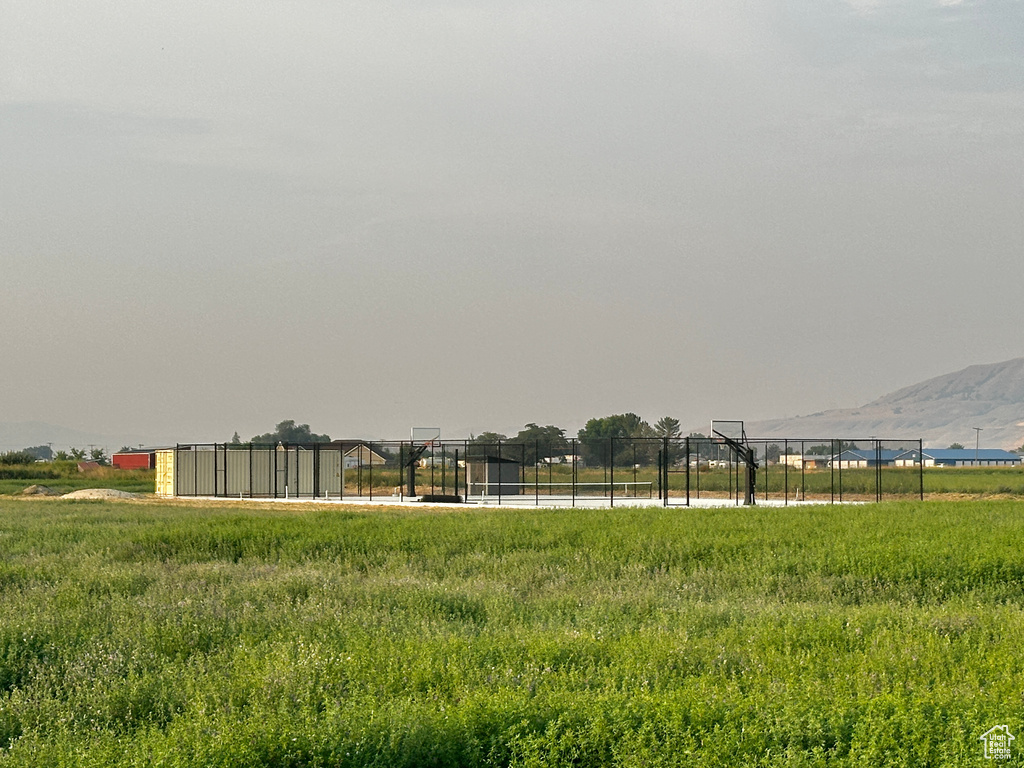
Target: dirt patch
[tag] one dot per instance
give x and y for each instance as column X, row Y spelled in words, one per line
column 100, row 493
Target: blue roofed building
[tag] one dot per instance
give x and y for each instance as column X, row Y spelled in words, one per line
column 853, row 458
column 960, row 457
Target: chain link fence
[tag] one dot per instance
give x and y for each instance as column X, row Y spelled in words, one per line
column 678, row 471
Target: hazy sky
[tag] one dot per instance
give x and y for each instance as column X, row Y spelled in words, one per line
column 372, row 215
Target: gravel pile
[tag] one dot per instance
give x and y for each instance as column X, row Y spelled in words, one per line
column 100, row 493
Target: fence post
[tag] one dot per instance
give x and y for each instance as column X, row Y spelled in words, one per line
column 536, row 469
column 785, row 471
column 665, row 474
column 574, row 471
column 611, row 475
column 920, row 467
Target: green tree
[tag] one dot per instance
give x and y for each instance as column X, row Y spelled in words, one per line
column 290, row 432
column 955, row 447
column 598, row 436
column 41, row 452
column 486, row 444
column 17, row 457
column 541, row 442
column 831, row 448
column 668, row 427
column 77, row 454
column 99, row 455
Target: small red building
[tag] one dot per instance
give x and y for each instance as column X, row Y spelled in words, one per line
column 134, row 460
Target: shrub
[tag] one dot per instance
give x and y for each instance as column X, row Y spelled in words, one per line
column 11, row 458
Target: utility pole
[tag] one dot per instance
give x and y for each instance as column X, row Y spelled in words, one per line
column 977, row 442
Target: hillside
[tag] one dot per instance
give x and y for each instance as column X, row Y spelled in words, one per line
column 941, row 411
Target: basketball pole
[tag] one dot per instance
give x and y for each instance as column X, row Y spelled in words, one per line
column 738, row 443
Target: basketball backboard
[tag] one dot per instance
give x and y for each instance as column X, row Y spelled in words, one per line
column 425, row 435
column 730, row 430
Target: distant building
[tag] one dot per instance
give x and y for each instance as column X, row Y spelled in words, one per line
column 803, row 461
column 851, row 458
column 361, row 455
column 960, row 457
column 566, row 458
column 855, row 458
column 436, row 461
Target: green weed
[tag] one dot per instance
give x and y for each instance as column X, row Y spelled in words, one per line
column 229, row 635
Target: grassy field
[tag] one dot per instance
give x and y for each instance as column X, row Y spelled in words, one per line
column 64, row 477
column 172, row 634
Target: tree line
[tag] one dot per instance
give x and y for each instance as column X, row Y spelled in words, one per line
column 601, row 441
column 46, row 453
column 535, row 442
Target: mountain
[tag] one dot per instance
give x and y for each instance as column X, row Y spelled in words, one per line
column 940, row 411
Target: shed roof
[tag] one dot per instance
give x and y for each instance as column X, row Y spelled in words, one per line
column 478, row 459
column 868, row 454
